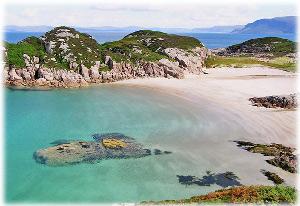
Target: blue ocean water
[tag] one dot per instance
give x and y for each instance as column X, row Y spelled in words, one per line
column 210, row 40
column 198, row 139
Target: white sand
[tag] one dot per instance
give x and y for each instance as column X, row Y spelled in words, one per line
column 226, row 91
column 230, row 88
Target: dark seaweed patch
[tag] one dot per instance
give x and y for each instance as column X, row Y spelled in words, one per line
column 222, row 179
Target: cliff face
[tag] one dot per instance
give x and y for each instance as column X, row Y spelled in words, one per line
column 64, row 57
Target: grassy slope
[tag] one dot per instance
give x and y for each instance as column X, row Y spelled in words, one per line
column 146, row 45
column 243, row 194
column 283, row 63
column 78, row 47
column 278, row 47
column 31, row 46
column 275, row 45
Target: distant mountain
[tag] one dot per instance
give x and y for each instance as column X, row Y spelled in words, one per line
column 218, row 29
column 277, row 25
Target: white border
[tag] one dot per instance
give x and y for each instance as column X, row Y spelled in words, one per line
column 48, row 2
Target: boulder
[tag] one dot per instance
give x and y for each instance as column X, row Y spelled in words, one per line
column 84, row 71
column 108, row 61
column 13, row 76
column 193, row 60
column 26, row 60
column 171, row 69
column 94, row 73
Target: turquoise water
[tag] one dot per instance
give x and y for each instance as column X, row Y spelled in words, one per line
column 36, row 118
column 210, row 40
column 197, row 134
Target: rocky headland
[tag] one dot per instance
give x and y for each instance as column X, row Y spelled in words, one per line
column 64, row 57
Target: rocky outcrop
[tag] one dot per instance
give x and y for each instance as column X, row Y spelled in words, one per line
column 104, row 146
column 273, row 177
column 191, row 61
column 276, row 101
column 49, row 77
column 283, row 156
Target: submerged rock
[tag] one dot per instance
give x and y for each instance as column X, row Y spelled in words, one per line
column 222, row 179
column 283, row 156
column 105, row 146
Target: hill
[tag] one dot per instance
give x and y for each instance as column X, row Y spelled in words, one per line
column 277, row 25
column 268, row 51
column 147, row 45
column 268, row 45
column 65, row 57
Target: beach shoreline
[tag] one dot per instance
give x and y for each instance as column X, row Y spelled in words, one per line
column 231, row 88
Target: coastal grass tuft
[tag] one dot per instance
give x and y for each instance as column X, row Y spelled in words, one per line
column 278, row 194
column 30, row 46
column 283, row 63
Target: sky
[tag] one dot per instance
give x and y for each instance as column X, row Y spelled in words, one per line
column 170, row 14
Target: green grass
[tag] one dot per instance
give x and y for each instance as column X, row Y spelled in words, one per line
column 146, row 45
column 123, row 51
column 164, row 40
column 29, row 46
column 104, row 69
column 275, row 45
column 283, row 63
column 278, row 194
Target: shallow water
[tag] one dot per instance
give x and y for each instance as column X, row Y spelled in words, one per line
column 198, row 135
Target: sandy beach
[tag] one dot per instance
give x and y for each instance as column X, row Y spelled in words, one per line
column 230, row 88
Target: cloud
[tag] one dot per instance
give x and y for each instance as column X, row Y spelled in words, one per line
column 187, row 15
column 123, row 8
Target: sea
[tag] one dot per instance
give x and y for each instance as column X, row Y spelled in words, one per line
column 210, row 40
column 199, row 140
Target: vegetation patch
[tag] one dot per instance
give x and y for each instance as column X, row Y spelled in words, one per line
column 32, row 46
column 146, row 45
column 244, row 194
column 113, row 143
column 68, row 46
column 283, row 63
column 273, row 45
